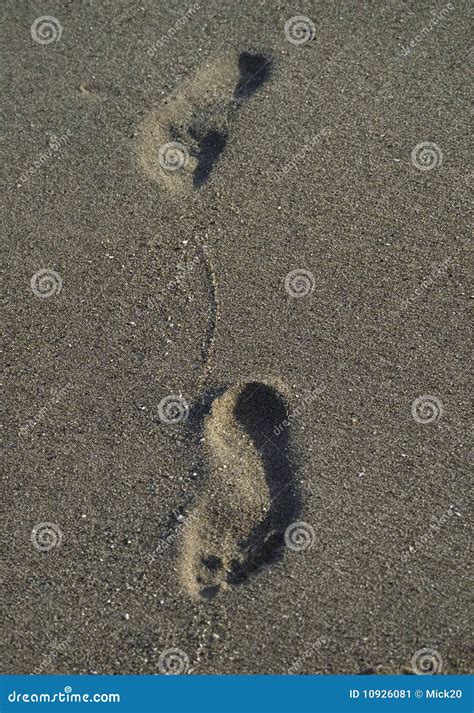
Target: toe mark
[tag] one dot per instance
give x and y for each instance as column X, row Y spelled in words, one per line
column 212, row 563
column 211, row 145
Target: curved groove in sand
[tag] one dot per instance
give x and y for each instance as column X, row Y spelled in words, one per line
column 209, row 343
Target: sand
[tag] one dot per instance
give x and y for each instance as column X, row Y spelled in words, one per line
column 238, row 403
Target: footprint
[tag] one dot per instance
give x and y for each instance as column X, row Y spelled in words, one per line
column 181, row 140
column 250, row 495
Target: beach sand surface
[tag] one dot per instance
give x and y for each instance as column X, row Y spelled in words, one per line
column 267, row 340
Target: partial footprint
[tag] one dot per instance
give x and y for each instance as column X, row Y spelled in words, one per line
column 181, row 140
column 250, row 495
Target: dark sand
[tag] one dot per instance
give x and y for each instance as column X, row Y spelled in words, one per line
column 173, row 283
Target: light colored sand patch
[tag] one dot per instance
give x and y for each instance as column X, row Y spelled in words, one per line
column 237, row 494
column 232, row 527
column 198, row 99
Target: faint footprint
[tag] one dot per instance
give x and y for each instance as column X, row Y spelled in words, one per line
column 181, row 140
column 250, row 496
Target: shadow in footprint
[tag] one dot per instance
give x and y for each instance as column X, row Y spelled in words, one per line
column 250, row 494
column 254, row 70
column 210, row 148
column 199, row 117
column 260, row 410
